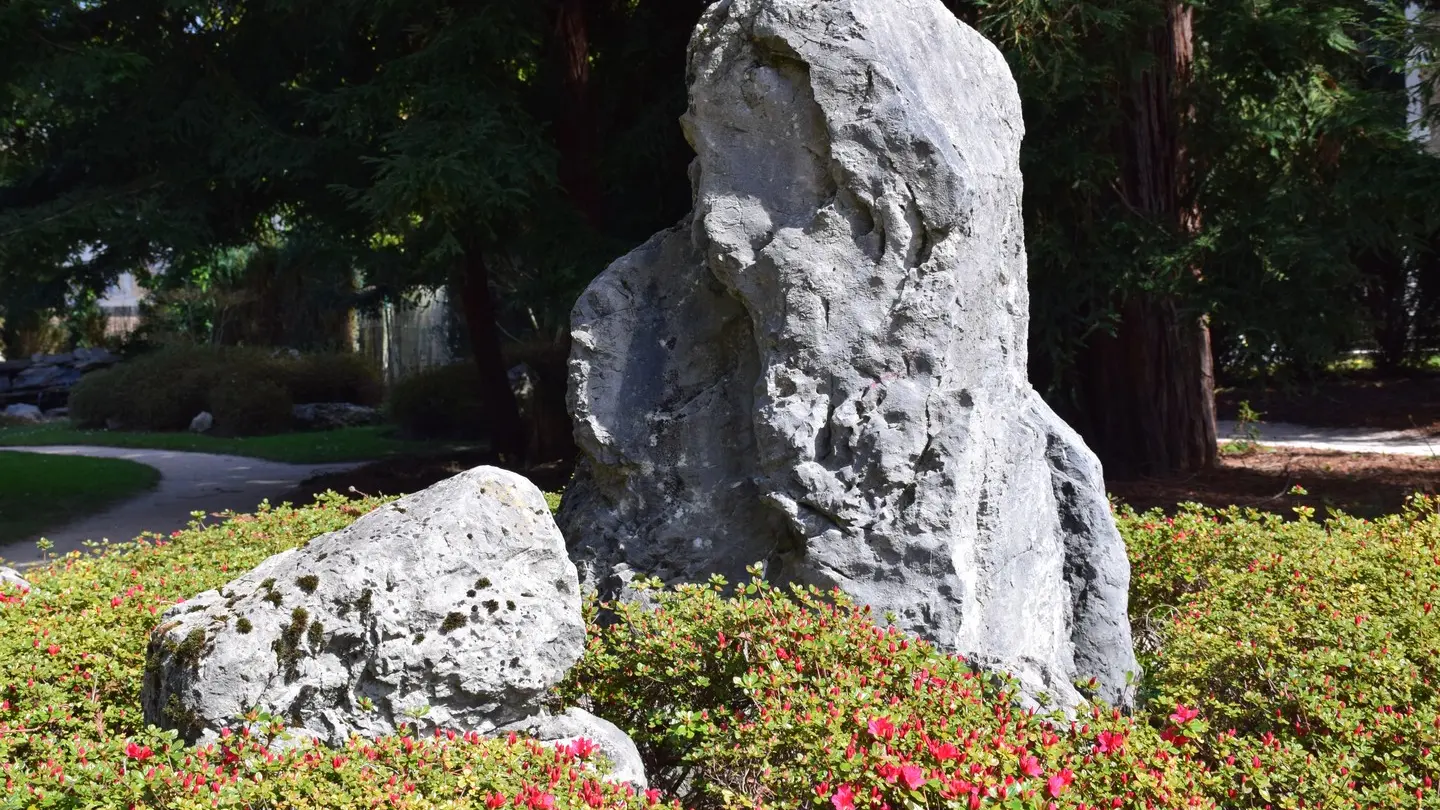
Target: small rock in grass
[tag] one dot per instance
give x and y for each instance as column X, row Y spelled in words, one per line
column 202, row 423
column 334, row 415
column 25, row 413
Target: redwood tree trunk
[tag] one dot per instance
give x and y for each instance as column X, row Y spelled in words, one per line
column 507, row 429
column 1149, row 390
column 575, row 126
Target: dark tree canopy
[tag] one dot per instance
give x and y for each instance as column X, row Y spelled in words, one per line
column 1231, row 172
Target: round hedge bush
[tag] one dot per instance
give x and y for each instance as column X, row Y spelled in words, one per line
column 159, row 391
column 440, row 403
column 247, row 404
column 163, row 390
column 333, row 377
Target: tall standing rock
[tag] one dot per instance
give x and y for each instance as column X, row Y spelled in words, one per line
column 823, row 367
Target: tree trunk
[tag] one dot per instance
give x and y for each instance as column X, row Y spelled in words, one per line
column 1149, row 389
column 575, row 125
column 507, row 429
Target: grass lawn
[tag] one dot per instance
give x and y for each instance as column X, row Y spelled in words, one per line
column 40, row 492
column 349, row 444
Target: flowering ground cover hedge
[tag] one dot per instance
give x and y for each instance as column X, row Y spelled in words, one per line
column 787, row 698
column 1289, row 664
column 1311, row 648
column 72, row 657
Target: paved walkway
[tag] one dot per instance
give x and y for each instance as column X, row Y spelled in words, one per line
column 1345, row 440
column 189, row 482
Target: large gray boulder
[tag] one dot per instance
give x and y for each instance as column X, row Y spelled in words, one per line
column 455, row 607
column 822, row 368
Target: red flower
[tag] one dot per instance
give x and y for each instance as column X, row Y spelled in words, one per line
column 1108, row 742
column 882, row 728
column 652, row 796
column 580, row 748
column 138, row 752
column 53, row 649
column 844, row 798
column 913, row 775
column 945, row 751
column 1183, row 714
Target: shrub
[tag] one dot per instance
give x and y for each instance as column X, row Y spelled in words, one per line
column 164, row 389
column 1313, row 647
column 161, row 390
column 72, row 657
column 246, row 404
column 439, row 403
column 334, row 377
column 782, row 698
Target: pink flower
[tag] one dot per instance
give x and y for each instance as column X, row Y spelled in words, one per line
column 1030, row 766
column 913, row 775
column 652, row 796
column 1108, row 742
column 1057, row 783
column 844, row 798
column 882, row 728
column 1183, row 714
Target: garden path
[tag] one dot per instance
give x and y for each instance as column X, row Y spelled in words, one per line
column 189, row 482
column 1345, row 440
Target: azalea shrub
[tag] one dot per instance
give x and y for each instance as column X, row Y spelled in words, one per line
column 791, row 698
column 1288, row 664
column 1311, row 648
column 72, row 658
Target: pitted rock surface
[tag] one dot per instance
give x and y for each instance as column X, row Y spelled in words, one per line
column 455, row 607
column 822, row 368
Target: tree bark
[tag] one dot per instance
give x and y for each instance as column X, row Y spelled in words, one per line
column 575, row 133
column 1149, row 389
column 507, row 430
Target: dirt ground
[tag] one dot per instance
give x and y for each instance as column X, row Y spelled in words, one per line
column 402, row 476
column 1349, row 399
column 1364, row 484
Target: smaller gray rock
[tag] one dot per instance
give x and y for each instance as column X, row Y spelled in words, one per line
column 111, row 423
column 202, row 423
column 52, row 359
column 25, row 413
column 11, row 578
column 46, row 376
column 58, row 413
column 456, row 607
column 334, row 415
column 564, row 729
column 98, row 357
